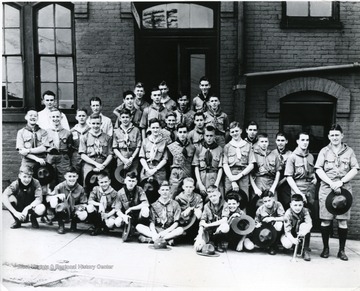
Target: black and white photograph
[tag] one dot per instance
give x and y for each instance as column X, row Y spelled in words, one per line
column 180, row 145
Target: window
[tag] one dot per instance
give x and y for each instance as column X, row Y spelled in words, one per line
column 177, row 15
column 12, row 60
column 55, row 53
column 311, row 14
column 38, row 58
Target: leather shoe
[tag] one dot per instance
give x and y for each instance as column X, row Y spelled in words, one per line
column 306, row 256
column 34, row 222
column 219, row 248
column 61, row 229
column 272, row 251
column 342, row 256
column 95, row 232
column 16, row 224
column 325, row 253
column 73, row 226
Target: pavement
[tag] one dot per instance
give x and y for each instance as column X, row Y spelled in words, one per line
column 37, row 258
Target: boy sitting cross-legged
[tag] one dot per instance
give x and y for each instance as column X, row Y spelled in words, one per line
column 99, row 208
column 297, row 224
column 213, row 224
column 68, row 201
column 23, row 198
column 270, row 212
column 164, row 218
column 131, row 202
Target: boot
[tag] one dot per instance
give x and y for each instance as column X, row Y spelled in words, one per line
column 16, row 224
column 325, row 234
column 73, row 225
column 61, row 229
column 34, row 222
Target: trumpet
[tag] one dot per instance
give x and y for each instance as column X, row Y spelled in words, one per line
column 300, row 240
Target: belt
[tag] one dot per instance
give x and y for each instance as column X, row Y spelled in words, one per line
column 306, row 179
column 209, row 170
column 237, row 168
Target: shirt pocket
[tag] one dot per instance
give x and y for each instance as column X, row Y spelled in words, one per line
column 299, row 170
column 28, row 142
column 345, row 163
column 329, row 164
column 244, row 158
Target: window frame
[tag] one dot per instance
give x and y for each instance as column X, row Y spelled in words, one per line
column 332, row 22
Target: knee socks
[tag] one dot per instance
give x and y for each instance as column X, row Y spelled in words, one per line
column 342, row 237
column 325, row 234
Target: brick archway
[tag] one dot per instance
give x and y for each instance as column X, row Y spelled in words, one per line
column 329, row 87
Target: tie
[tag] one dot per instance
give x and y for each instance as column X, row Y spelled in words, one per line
column 34, row 138
column 208, row 157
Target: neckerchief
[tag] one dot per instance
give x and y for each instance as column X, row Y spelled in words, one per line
column 153, row 150
column 97, row 147
column 33, row 131
column 81, row 130
column 183, row 145
column 56, row 138
column 215, row 114
column 130, row 195
column 300, row 153
column 208, row 154
column 24, row 187
column 126, row 132
column 158, row 108
column 237, row 146
column 172, row 132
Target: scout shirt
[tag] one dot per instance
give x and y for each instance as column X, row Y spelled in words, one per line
column 182, row 155
column 213, row 212
column 28, row 138
column 238, row 155
column 126, row 198
column 292, row 220
column 153, row 112
column 336, row 166
column 165, row 215
column 277, row 210
column 153, row 150
column 229, row 214
column 185, row 201
column 24, row 194
column 185, row 117
column 200, row 161
column 106, row 124
column 75, row 195
column 135, row 115
column 267, row 163
column 76, row 133
column 300, row 166
column 218, row 119
column 196, row 137
column 106, row 198
column 126, row 140
column 44, row 120
column 141, row 104
column 170, row 134
column 168, row 103
column 199, row 102
column 96, row 146
column 60, row 139
column 282, row 158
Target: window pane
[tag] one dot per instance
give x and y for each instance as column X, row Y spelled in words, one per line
column 318, row 9
column 3, row 70
column 63, row 41
column 65, row 67
column 49, row 86
column 15, row 95
column 66, row 96
column 197, row 70
column 297, row 8
column 46, row 41
column 46, row 16
column 201, row 17
column 178, row 15
column 14, row 69
column 11, row 16
column 48, row 69
column 62, row 16
column 12, row 41
column 155, row 17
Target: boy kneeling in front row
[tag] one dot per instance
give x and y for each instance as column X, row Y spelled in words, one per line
column 297, row 224
column 23, row 198
column 213, row 224
column 164, row 218
column 69, row 201
column 100, row 206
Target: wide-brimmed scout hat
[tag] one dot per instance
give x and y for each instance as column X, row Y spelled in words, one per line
column 189, row 222
column 265, row 235
column 160, row 244
column 338, row 204
column 45, row 174
column 243, row 198
column 151, row 187
column 91, row 179
column 243, row 225
column 208, row 250
column 126, row 231
column 120, row 173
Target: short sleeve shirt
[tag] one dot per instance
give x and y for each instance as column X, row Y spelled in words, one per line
column 95, row 146
column 232, row 159
column 214, row 213
column 292, row 220
column 76, row 133
column 219, row 120
column 152, row 112
column 129, row 140
column 268, row 164
column 200, row 161
column 152, row 150
column 276, row 211
column 300, row 166
column 164, row 215
column 97, row 193
column 26, row 194
column 124, row 201
column 76, row 195
column 65, row 139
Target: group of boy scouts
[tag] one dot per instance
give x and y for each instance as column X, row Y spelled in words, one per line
column 181, row 172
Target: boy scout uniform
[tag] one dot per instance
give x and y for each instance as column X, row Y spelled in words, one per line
column 135, row 115
column 185, row 117
column 336, row 166
column 220, row 121
column 276, row 211
column 28, row 138
column 164, row 215
column 199, row 102
column 154, row 151
column 170, row 134
column 106, row 124
column 208, row 168
column 284, row 190
column 61, row 140
column 97, row 148
column 196, row 137
column 182, row 156
column 301, row 167
column 141, row 105
column 76, row 160
column 153, row 112
column 238, row 158
column 168, row 103
column 127, row 141
column 267, row 166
